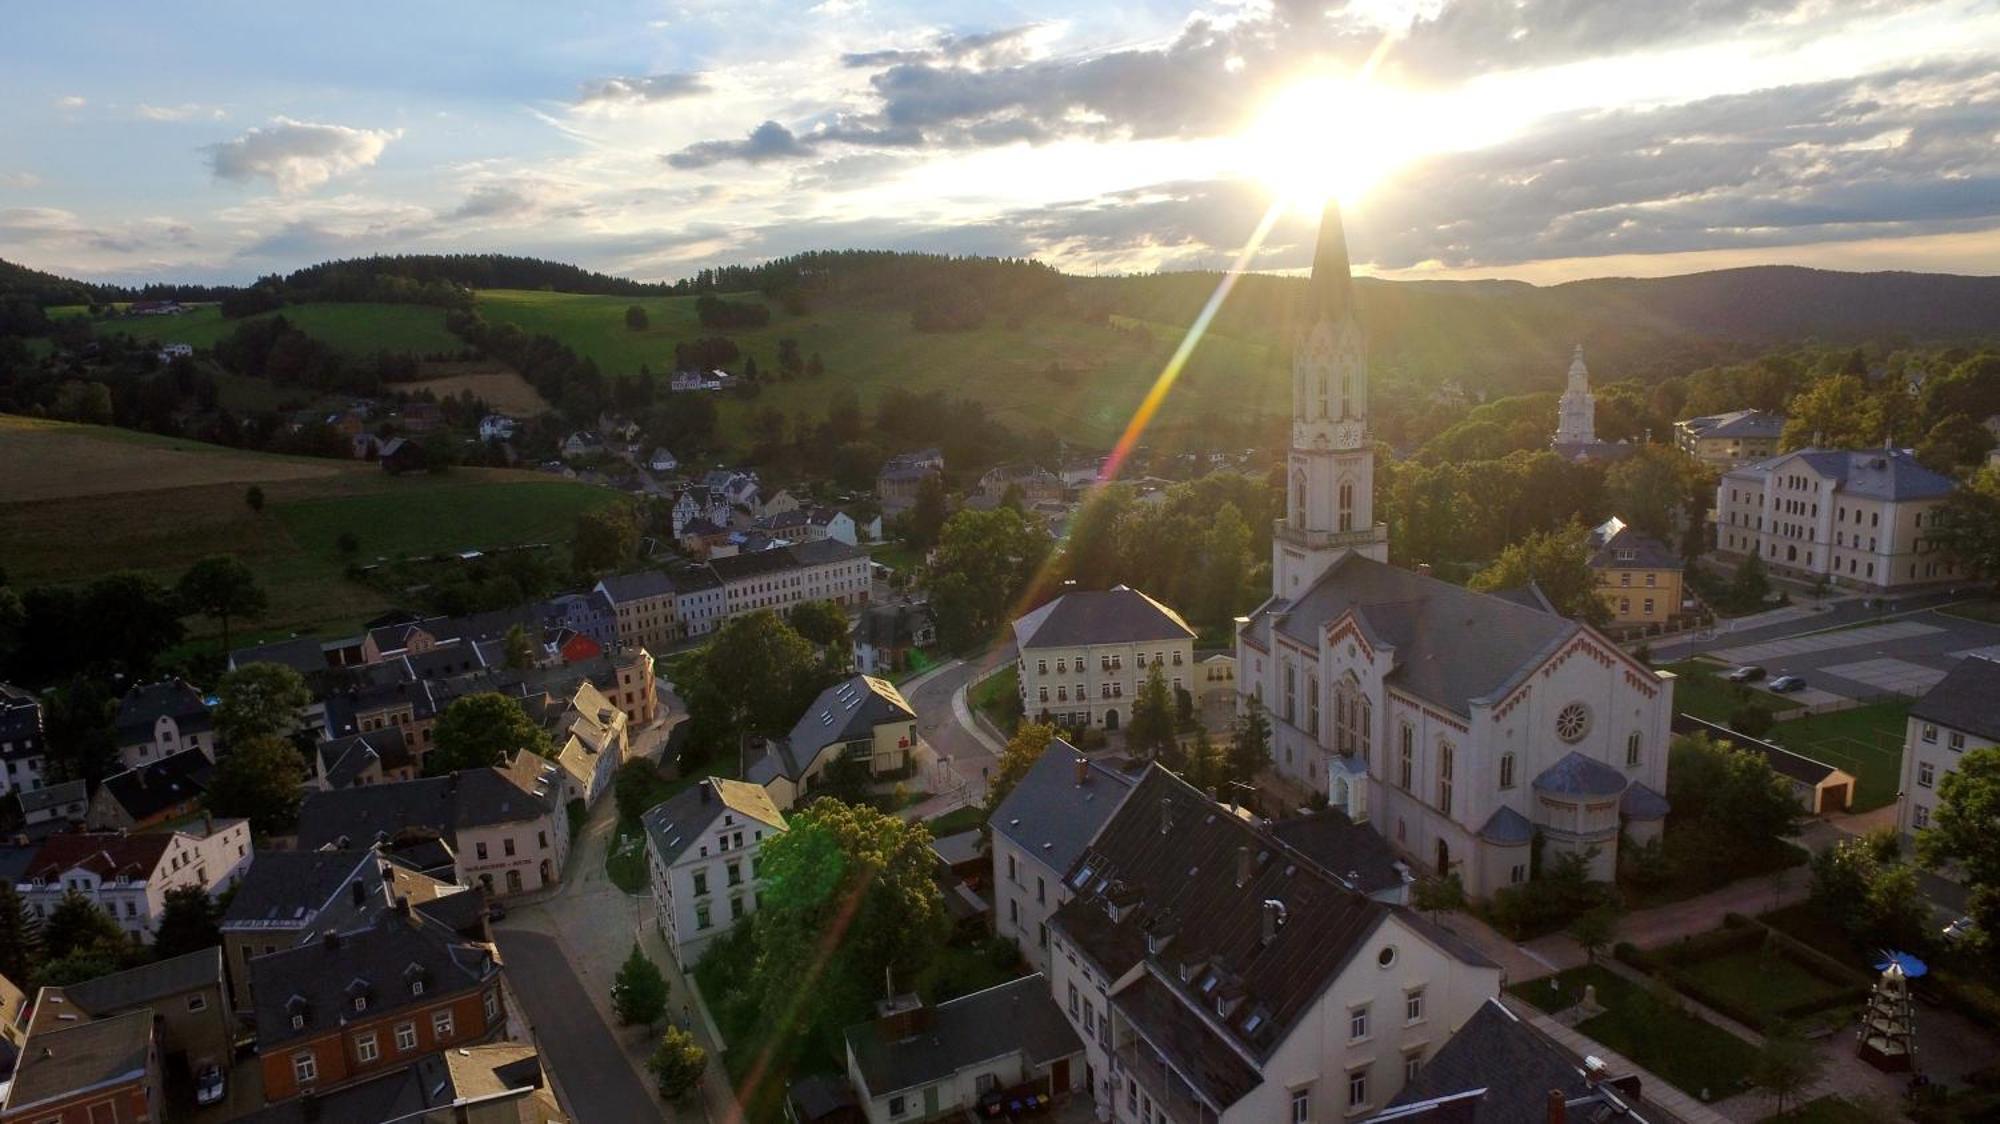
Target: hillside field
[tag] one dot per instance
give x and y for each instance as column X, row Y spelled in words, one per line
column 185, row 500
column 360, row 328
column 1105, row 369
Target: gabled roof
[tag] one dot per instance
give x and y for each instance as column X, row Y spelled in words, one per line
column 1511, row 1068
column 1349, row 850
column 1053, row 816
column 106, row 854
column 1018, row 1016
column 675, row 823
column 52, row 796
column 341, row 760
column 844, row 712
column 171, row 698
column 1783, row 762
column 1738, row 424
column 637, row 586
column 319, row 978
column 148, row 983
column 302, row 654
column 1614, row 541
column 523, row 790
column 1099, row 616
column 1966, row 699
column 288, row 889
column 148, row 790
column 73, row 1057
column 1877, row 474
column 1577, row 775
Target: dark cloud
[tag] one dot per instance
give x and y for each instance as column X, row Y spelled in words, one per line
column 769, row 141
column 640, row 90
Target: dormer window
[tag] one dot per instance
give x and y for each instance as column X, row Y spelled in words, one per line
column 298, row 1022
column 361, row 1003
column 416, row 987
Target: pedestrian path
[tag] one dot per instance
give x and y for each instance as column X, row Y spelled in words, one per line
column 1653, row 1087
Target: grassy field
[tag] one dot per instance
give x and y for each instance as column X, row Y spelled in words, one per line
column 1703, row 1061
column 1702, row 692
column 869, row 349
column 181, row 501
column 361, row 328
column 1866, row 741
column 998, row 698
column 496, row 384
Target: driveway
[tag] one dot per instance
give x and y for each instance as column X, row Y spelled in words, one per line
column 943, row 721
column 587, row 1063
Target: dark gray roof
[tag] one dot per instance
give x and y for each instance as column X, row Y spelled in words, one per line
column 287, row 889
column 637, row 586
column 53, row 796
column 888, row 626
column 1453, row 646
column 524, row 790
column 1513, row 1067
column 1528, row 596
column 1738, row 423
column 1052, row 817
column 844, row 712
column 1879, row 474
column 1015, row 1016
column 1783, row 761
column 73, row 1057
column 1099, row 616
column 302, row 654
column 1642, row 803
column 1619, row 547
column 1507, row 828
column 143, row 705
column 1343, row 848
column 320, row 978
column 962, row 847
column 1577, row 775
column 148, row 983
column 151, row 789
column 1966, row 699
column 392, row 1096
column 341, row 760
column 673, row 824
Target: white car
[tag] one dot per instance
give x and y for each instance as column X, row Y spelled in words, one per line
column 209, row 1086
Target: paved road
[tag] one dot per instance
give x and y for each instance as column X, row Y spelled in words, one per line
column 588, row 1063
column 938, row 725
column 1905, row 651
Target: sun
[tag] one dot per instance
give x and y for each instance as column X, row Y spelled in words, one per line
column 1337, row 138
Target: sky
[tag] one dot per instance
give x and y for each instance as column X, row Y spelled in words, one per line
column 1545, row 140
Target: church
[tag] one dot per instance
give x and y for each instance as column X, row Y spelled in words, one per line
column 1459, row 725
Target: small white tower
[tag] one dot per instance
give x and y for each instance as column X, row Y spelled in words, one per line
column 1576, row 416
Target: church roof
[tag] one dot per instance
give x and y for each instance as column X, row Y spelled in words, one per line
column 1507, row 828
column 1330, row 295
column 1577, row 775
column 1453, row 646
column 1642, row 803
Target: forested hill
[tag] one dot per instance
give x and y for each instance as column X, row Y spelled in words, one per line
column 334, row 279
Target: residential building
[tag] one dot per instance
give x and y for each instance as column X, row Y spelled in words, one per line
column 583, row 443
column 90, row 1071
column 156, row 793
column 52, row 807
column 376, row 757
column 185, row 993
column 896, row 485
column 700, row 602
column 14, row 1010
column 1085, row 655
column 917, row 1062
column 1853, row 518
column 1055, row 810
column 1638, row 576
column 157, row 720
column 861, row 721
column 1036, row 484
column 695, row 504
column 353, row 1004
column 129, row 875
column 642, row 605
column 591, row 743
column 1727, row 440
column 1216, row 974
column 1218, row 679
column 785, row 576
column 589, row 614
column 886, row 635
column 704, row 850
column 1458, row 725
column 398, row 455
column 739, row 489
column 23, row 749
column 506, row 826
column 1956, row 716
column 496, row 427
column 1499, row 1067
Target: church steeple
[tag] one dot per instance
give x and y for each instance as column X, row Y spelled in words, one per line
column 1330, row 296
column 1576, row 413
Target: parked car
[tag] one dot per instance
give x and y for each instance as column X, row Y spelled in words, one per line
column 1958, row 930
column 496, row 912
column 1748, row 673
column 209, row 1085
column 1786, row 684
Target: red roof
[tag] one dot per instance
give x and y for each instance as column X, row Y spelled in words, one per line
column 103, row 853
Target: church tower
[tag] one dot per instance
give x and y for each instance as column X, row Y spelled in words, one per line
column 1330, row 471
column 1576, row 415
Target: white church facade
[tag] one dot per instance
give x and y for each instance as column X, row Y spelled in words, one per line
column 1459, row 725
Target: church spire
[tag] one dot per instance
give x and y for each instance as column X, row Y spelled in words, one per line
column 1331, row 294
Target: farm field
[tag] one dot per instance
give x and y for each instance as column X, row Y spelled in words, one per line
column 1105, row 369
column 1866, row 741
column 161, row 522
column 497, row 385
column 360, row 328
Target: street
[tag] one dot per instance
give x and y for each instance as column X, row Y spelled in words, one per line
column 939, row 724
column 588, row 1063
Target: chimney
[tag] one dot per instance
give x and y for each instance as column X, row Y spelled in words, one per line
column 402, row 906
column 1082, row 771
column 360, row 891
column 1166, row 814
column 707, row 790
column 1558, row 1108
column 330, row 940
column 1274, row 919
column 1243, row 866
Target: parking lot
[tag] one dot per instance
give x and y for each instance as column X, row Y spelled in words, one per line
column 1905, row 656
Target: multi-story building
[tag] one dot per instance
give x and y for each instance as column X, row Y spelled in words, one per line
column 963, row 1057
column 591, row 742
column 896, row 485
column 157, row 720
column 185, row 993
column 1085, row 655
column 1638, row 577
column 164, row 791
column 23, row 751
column 782, row 577
column 1958, row 715
column 358, row 759
column 703, row 849
column 1727, row 440
column 642, row 604
column 1052, row 814
column 87, row 1071
column 861, row 720
column 1855, row 518
column 129, row 875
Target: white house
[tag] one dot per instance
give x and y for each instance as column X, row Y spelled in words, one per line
column 826, row 523
column 702, row 858
column 663, row 460
column 23, row 748
column 161, row 719
column 496, row 427
column 915, row 1062
column 1085, row 655
column 1039, row 830
column 129, row 875
column 1958, row 715
column 173, row 351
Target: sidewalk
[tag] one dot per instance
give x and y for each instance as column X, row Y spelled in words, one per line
column 1665, row 924
column 1655, row 1089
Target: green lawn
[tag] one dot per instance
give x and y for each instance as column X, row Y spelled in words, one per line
column 998, row 698
column 360, row 328
column 1866, row 741
column 1701, row 1060
column 443, row 518
column 1825, row 1110
column 1766, row 983
column 1987, row 610
column 1701, row 691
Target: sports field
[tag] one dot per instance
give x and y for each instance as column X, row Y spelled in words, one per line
column 360, row 328
column 1866, row 741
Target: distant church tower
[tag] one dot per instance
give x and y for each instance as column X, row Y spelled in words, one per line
column 1330, row 472
column 1576, row 416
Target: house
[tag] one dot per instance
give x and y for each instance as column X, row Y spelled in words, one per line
column 1853, row 518
column 583, row 443
column 700, row 602
column 155, row 308
column 129, row 875
column 159, row 792
column 901, row 475
column 398, row 455
column 1500, row 1067
column 826, row 523
column 953, row 1060
column 160, row 719
column 696, row 504
column 496, row 427
column 53, row 807
column 306, row 655
column 1216, row 973
column 781, row 503
column 785, row 576
column 662, row 460
column 1819, row 788
column 185, row 993
column 1036, row 484
column 642, row 608
column 591, row 743
column 710, row 380
column 490, row 1083
column 506, row 826
column 736, row 488
column 886, row 635
column 861, row 720
column 1458, row 725
column 355, row 1003
column 1638, row 576
column 87, row 1071
column 1955, row 716
column 1052, row 814
column 376, row 757
column 170, row 352
column 1085, row 655
column 1727, row 440
column 1217, row 675
column 589, row 614
column 703, row 848
column 22, row 746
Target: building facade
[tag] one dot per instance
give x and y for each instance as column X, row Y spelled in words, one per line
column 703, row 849
column 1958, row 715
column 23, row 751
column 1727, row 440
column 1085, row 655
column 128, row 876
column 1638, row 578
column 1853, row 518
column 161, row 719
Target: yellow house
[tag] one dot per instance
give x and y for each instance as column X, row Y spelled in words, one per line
column 1638, row 577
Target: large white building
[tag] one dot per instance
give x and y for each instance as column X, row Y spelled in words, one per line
column 702, row 859
column 1085, row 655
column 1955, row 717
column 129, row 875
column 1458, row 724
column 1855, row 518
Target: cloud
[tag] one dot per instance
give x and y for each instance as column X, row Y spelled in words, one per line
column 71, row 101
column 57, row 230
column 517, row 200
column 19, row 179
column 184, row 112
column 651, row 88
column 769, row 141
column 298, row 155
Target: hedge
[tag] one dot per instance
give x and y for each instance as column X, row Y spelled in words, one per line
column 1741, row 934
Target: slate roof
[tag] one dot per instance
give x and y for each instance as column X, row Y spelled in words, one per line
column 1965, row 699
column 523, row 790
column 1613, row 538
column 637, row 586
column 1783, row 761
column 52, row 796
column 1052, row 817
column 104, row 853
column 1737, row 423
column 891, row 626
column 1453, row 646
column 1099, row 616
column 302, row 654
column 1513, row 1067
column 288, row 889
column 146, row 704
column 77, row 1056
column 1185, row 1039
column 148, row 790
column 1576, row 775
column 1343, row 848
column 673, row 824
column 847, row 711
column 318, row 978
column 341, row 760
column 1507, row 828
column 1878, row 474
column 1016, row 1016
column 148, row 983
column 20, row 722
column 1642, row 803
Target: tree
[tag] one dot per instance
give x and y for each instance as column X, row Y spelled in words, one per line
column 760, row 672
column 261, row 779
column 1592, row 930
column 1226, row 561
column 480, row 730
column 1206, row 768
column 79, row 925
column 1151, row 730
column 1750, row 585
column 983, row 564
column 1435, row 895
column 221, row 587
column 130, row 619
column 822, row 622
column 1732, row 809
column 1250, row 747
column 78, row 720
column 18, row 946
column 1957, row 440
column 1961, row 833
column 520, row 650
column 639, row 994
column 1030, row 741
column 636, row 320
column 1751, row 719
column 677, row 1063
column 254, row 496
column 607, row 538
column 1969, row 523
column 1648, row 490
column 260, row 700
column 1785, row 1065
column 1559, row 563
column 1833, row 413
column 190, row 921
column 925, row 522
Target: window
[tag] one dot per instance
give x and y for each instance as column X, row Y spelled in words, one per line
column 1312, row 705
column 1041, row 891
column 1409, row 755
column 1956, row 743
column 1302, row 1105
column 305, row 1067
column 365, row 1047
column 200, row 1002
column 1573, row 722
column 1357, row 1023
column 736, row 909
column 479, row 849
column 492, row 1004
column 1926, row 773
column 441, row 1024
column 700, row 882
column 736, row 874
column 507, row 845
column 1013, row 911
column 701, row 917
column 1444, row 776
column 1073, row 1002
column 1930, row 733
column 1506, row 770
column 1291, row 693
column 1920, row 816
column 542, row 838
column 1632, row 748
column 1413, row 1005
column 1357, row 1088
column 1412, row 1062
column 361, row 1003
column 898, row 1105
column 1013, row 871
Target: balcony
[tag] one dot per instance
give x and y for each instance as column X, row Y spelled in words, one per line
column 1158, row 1080
column 1284, row 532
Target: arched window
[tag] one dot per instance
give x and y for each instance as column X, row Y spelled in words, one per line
column 1347, row 505
column 1347, row 394
column 1299, row 498
column 1445, row 755
column 1321, row 381
column 1367, row 727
